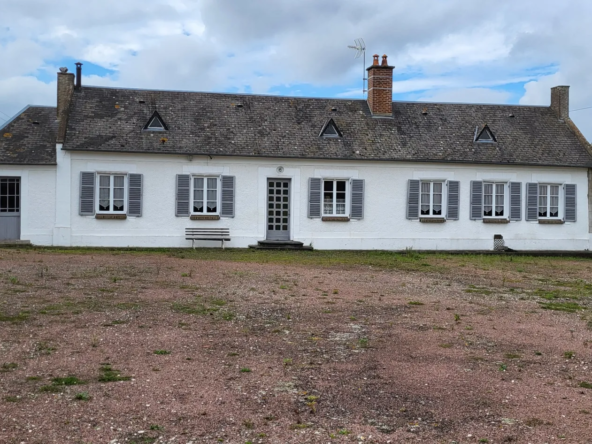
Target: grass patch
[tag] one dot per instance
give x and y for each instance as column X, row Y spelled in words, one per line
column 512, row 356
column 586, row 385
column 109, row 374
column 569, row 307
column 8, row 367
column 20, row 317
column 245, row 370
column 415, row 303
column 58, row 383
column 82, row 396
column 162, row 352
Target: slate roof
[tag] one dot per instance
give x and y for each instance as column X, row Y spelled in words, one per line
column 30, row 137
column 112, row 120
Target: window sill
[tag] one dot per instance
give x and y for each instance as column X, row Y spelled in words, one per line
column 111, row 216
column 551, row 221
column 205, row 217
column 335, row 219
column 432, row 220
column 496, row 221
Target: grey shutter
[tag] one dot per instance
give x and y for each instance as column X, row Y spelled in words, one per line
column 453, row 199
column 227, row 196
column 570, row 202
column 413, row 199
column 532, row 201
column 476, row 200
column 134, row 195
column 357, row 199
column 515, row 201
column 182, row 195
column 314, row 196
column 87, row 193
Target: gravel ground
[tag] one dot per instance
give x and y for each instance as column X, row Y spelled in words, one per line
column 145, row 347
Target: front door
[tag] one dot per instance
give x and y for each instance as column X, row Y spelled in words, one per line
column 10, row 208
column 278, row 209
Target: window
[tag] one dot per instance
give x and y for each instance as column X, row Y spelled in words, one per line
column 431, row 199
column 155, row 123
column 205, row 195
column 335, row 197
column 112, row 193
column 330, row 130
column 494, row 200
column 484, row 135
column 548, row 205
column 10, row 195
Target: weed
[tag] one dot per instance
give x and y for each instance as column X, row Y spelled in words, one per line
column 108, row 374
column 483, row 440
column 298, row 426
column 456, row 317
column 568, row 354
column 12, row 398
column 363, row 342
column 33, row 378
column 538, row 353
column 245, row 370
column 68, row 380
column 343, row 432
column 13, row 280
column 82, row 396
column 162, row 352
column 336, row 291
column 249, row 424
column 503, row 367
column 287, row 362
column 415, row 303
column 512, row 356
column 8, row 367
column 43, row 348
column 534, row 422
column 20, row 317
column 232, row 354
column 586, row 385
column 155, row 427
column 446, row 345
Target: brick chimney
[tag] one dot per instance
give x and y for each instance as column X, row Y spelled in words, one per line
column 380, row 88
column 65, row 90
column 560, row 101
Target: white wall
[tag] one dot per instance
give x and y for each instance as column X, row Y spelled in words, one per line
column 37, row 201
column 384, row 225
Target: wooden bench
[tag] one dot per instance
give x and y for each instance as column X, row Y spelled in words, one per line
column 213, row 234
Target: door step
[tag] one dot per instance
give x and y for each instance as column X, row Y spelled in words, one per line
column 280, row 245
column 15, row 243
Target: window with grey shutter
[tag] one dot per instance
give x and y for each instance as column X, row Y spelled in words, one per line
column 413, row 199
column 532, row 199
column 570, row 202
column 134, row 195
column 87, row 193
column 515, row 200
column 227, row 196
column 476, row 200
column 182, row 195
column 357, row 199
column 314, row 196
column 453, row 199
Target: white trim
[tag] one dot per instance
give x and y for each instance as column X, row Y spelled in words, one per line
column 111, row 168
column 560, row 201
column 333, row 174
column 443, row 204
column 111, row 188
column 506, row 214
column 347, row 203
column 205, row 195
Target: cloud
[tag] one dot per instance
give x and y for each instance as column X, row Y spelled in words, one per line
column 466, row 95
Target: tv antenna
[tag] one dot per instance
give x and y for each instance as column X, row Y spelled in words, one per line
column 360, row 48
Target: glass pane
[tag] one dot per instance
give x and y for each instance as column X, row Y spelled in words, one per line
column 340, row 185
column 437, row 187
column 499, row 210
column 328, row 185
column 437, row 199
column 212, row 194
column 285, row 185
column 118, row 181
column 488, row 188
column 554, row 212
column 285, row 227
column 270, row 227
column 212, row 207
column 118, row 205
column 554, row 190
column 499, row 188
column 437, row 210
column 118, row 193
column 198, row 206
column 198, row 183
column 285, row 220
column 278, row 228
column 212, row 183
column 104, row 181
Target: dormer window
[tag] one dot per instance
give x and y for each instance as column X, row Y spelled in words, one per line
column 330, row 130
column 155, row 123
column 484, row 134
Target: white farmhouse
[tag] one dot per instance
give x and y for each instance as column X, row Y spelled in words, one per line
column 129, row 167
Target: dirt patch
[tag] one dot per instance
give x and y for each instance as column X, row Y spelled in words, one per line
column 269, row 347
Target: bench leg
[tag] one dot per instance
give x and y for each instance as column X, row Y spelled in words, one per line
column 193, row 243
column 223, row 244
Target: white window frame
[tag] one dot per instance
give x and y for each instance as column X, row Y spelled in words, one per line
column 506, row 205
column 431, row 204
column 205, row 194
column 560, row 200
column 334, row 204
column 111, row 187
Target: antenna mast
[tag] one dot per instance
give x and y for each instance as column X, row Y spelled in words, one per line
column 360, row 48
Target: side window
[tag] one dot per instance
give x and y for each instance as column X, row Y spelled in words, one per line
column 335, row 197
column 205, row 195
column 431, row 199
column 548, row 205
column 495, row 199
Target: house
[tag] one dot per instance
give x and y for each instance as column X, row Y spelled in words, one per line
column 130, row 167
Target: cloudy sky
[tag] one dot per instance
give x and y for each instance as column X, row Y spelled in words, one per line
column 487, row 51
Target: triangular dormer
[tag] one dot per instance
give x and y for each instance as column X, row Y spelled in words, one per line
column 484, row 134
column 155, row 123
column 330, row 130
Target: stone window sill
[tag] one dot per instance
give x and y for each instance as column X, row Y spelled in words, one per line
column 551, row 221
column 496, row 221
column 111, row 216
column 334, row 219
column 205, row 217
column 432, row 220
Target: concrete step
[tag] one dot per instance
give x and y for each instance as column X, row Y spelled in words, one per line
column 280, row 245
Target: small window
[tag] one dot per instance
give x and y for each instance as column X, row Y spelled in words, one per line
column 484, row 135
column 548, row 205
column 112, row 193
column 155, row 123
column 335, row 198
column 205, row 195
column 431, row 199
column 494, row 199
column 330, row 130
